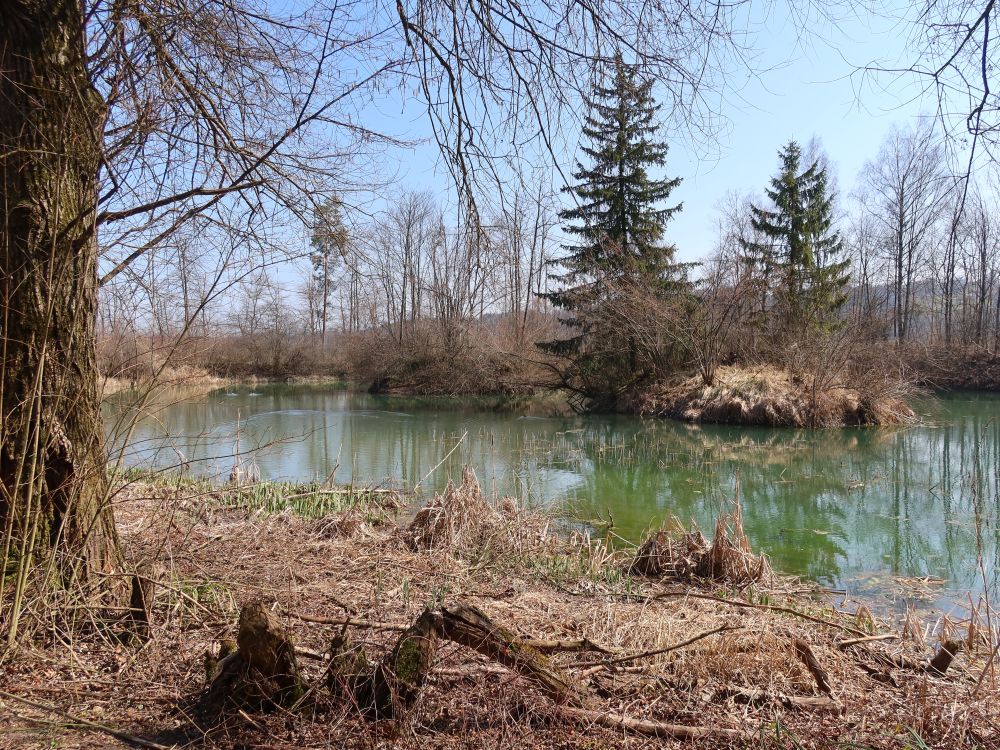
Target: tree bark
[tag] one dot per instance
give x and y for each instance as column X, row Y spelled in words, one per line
column 53, row 485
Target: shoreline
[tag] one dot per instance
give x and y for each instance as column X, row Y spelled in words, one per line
column 695, row 662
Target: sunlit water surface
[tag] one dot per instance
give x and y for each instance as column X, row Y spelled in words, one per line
column 864, row 510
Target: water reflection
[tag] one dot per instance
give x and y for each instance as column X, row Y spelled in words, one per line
column 846, row 507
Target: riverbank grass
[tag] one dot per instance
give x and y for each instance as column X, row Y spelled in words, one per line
column 648, row 657
column 771, row 397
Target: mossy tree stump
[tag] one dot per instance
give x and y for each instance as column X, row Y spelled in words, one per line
column 393, row 686
column 262, row 672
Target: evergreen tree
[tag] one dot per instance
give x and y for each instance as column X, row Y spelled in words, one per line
column 802, row 252
column 618, row 223
column 329, row 241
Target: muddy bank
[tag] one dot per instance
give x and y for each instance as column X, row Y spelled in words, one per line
column 658, row 639
column 767, row 397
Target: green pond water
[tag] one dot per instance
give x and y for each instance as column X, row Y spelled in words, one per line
column 859, row 509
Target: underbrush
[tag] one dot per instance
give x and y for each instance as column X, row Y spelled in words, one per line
column 703, row 648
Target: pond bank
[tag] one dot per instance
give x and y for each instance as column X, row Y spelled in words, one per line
column 766, row 396
column 695, row 664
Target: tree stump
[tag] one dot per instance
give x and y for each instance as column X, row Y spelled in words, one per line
column 394, row 686
column 396, row 683
column 939, row 665
column 262, row 673
column 137, row 621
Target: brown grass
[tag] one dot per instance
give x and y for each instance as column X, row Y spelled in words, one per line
column 772, row 397
column 463, row 521
column 685, row 555
column 216, row 555
column 183, row 376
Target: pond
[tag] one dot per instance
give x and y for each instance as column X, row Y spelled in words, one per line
column 895, row 514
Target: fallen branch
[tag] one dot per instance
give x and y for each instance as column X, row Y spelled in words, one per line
column 798, row 702
column 768, row 607
column 805, row 653
column 647, row 727
column 546, row 646
column 352, row 622
column 392, row 687
column 866, row 639
column 658, row 651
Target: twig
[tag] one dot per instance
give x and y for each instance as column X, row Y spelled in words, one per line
column 584, row 644
column 866, row 639
column 76, row 720
column 646, row 727
column 347, row 622
column 656, row 652
column 446, row 457
column 769, row 607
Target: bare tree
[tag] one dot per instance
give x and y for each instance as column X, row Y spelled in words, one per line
column 905, row 190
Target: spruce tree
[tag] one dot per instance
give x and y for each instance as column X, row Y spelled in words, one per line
column 802, row 249
column 618, row 223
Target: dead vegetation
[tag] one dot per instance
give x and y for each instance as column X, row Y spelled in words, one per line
column 685, row 555
column 771, row 397
column 273, row 630
column 463, row 521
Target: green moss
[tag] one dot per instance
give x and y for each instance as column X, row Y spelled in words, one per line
column 409, row 663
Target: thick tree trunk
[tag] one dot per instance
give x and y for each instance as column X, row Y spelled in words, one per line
column 52, row 474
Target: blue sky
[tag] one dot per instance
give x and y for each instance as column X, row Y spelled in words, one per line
column 811, row 87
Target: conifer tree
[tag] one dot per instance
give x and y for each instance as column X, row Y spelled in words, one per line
column 329, row 241
column 618, row 223
column 803, row 253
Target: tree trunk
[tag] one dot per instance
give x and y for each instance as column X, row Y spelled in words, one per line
column 53, row 486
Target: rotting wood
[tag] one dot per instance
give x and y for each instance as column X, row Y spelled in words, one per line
column 805, row 653
column 390, row 689
column 941, row 661
column 394, row 686
column 470, row 627
column 262, row 672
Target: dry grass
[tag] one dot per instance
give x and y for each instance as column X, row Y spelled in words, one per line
column 685, row 555
column 183, row 376
column 216, row 555
column 768, row 396
column 463, row 521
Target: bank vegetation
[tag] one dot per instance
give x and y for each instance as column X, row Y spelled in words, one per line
column 270, row 616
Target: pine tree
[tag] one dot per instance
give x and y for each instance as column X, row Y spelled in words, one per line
column 617, row 221
column 803, row 252
column 329, row 241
